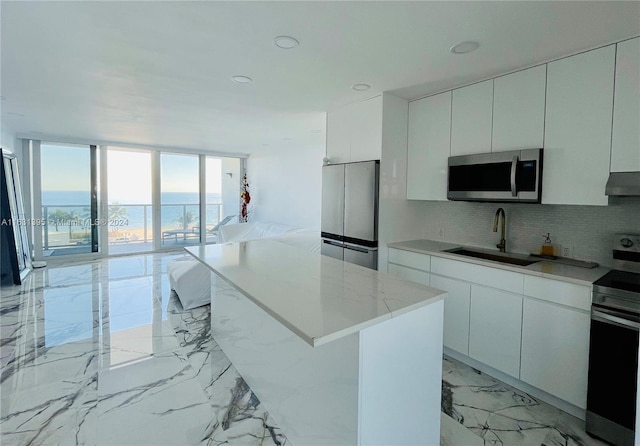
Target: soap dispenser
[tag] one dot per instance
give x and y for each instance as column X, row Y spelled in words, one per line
column 548, row 249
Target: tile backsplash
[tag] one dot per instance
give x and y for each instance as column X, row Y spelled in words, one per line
column 587, row 230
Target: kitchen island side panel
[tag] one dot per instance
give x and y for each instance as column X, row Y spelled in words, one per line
column 401, row 368
column 312, row 393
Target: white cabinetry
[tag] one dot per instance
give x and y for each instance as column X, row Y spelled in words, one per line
column 354, row 133
column 471, row 118
column 555, row 350
column 625, row 142
column 518, row 110
column 495, row 328
column 339, row 135
column 409, row 265
column 484, row 316
column 429, row 146
column 578, row 128
column 529, row 327
column 456, row 312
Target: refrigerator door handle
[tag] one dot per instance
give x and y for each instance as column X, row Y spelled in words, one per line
column 356, row 248
column 329, row 242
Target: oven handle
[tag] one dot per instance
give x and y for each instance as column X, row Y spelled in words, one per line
column 615, row 320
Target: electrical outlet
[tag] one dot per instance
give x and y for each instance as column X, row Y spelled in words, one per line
column 567, row 251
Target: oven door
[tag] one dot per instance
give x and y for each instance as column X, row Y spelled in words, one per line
column 613, row 368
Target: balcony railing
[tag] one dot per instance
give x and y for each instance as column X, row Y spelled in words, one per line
column 70, row 225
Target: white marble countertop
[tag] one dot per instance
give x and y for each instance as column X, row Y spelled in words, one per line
column 542, row 268
column 319, row 298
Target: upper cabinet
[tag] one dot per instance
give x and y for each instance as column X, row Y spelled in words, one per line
column 625, row 142
column 518, row 110
column 354, row 132
column 578, row 128
column 471, row 118
column 429, row 145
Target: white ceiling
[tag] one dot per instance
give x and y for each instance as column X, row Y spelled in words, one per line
column 158, row 73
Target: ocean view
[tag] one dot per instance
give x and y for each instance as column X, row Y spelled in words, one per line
column 133, row 213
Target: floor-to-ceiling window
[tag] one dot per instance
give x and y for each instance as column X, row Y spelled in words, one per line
column 129, row 201
column 179, row 199
column 68, row 197
column 119, row 200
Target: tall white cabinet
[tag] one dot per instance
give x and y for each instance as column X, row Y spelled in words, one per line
column 578, row 128
column 471, row 119
column 625, row 141
column 354, row 132
column 518, row 110
column 429, row 146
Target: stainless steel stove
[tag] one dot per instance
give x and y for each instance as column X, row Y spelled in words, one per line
column 613, row 346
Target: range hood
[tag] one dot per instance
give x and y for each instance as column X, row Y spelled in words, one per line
column 623, row 184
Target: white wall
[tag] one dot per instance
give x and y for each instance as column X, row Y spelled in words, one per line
column 230, row 188
column 8, row 138
column 286, row 186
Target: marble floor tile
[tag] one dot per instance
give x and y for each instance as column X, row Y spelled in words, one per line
column 503, row 415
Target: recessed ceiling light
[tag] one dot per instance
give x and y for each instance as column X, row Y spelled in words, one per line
column 464, row 47
column 241, row 79
column 285, row 42
column 361, row 87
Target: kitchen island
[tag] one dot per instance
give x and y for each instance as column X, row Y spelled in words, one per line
column 338, row 353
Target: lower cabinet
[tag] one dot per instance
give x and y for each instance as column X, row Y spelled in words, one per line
column 532, row 328
column 495, row 329
column 411, row 274
column 456, row 312
column 555, row 350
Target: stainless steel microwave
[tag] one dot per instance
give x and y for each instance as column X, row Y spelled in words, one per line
column 500, row 176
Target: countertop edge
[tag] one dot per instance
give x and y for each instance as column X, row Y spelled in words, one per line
column 518, row 269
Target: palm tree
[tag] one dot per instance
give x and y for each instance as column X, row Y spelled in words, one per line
column 56, row 217
column 70, row 219
column 116, row 212
column 186, row 219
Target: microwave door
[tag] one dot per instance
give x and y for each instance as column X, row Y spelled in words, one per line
column 492, row 181
column 529, row 176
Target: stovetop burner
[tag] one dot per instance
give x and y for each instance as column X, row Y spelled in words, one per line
column 620, row 280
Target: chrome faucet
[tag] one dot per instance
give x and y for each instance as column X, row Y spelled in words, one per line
column 502, row 246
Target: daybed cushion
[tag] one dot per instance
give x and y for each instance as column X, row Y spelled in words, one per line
column 252, row 231
column 191, row 281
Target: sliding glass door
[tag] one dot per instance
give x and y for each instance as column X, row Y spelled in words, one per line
column 180, row 199
column 69, row 199
column 129, row 214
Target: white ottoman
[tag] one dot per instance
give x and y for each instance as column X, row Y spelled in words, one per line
column 191, row 281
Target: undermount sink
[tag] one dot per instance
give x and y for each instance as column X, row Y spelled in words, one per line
column 503, row 258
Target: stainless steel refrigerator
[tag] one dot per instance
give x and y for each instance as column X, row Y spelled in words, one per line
column 350, row 212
